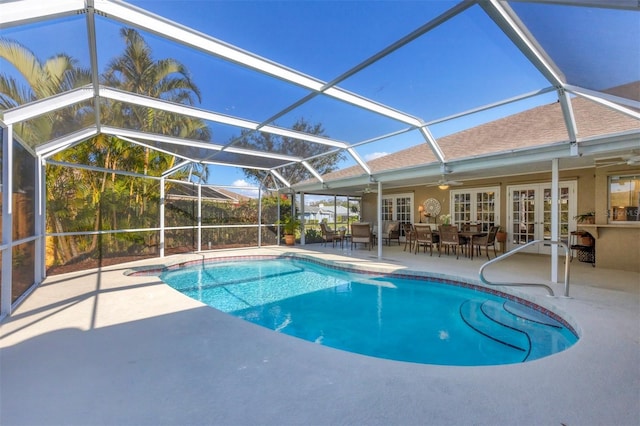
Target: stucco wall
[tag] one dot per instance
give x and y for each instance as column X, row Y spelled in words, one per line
column 617, row 248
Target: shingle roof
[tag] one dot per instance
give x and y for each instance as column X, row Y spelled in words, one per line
column 188, row 192
column 535, row 127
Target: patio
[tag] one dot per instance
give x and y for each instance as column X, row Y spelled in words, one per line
column 105, row 348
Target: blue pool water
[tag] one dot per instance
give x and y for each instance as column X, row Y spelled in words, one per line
column 397, row 318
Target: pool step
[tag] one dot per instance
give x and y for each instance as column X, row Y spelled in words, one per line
column 529, row 329
column 474, row 316
column 530, row 314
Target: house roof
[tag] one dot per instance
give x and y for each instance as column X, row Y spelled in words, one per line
column 538, row 127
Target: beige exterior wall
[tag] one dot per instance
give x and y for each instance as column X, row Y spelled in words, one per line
column 617, row 248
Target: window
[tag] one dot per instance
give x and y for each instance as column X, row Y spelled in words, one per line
column 624, row 199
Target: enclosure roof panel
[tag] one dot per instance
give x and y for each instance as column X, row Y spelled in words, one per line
column 278, row 85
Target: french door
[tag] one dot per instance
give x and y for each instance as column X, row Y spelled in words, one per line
column 397, row 207
column 479, row 206
column 529, row 214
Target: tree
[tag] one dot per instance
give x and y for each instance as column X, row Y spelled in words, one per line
column 80, row 199
column 294, row 173
column 58, row 74
column 136, row 71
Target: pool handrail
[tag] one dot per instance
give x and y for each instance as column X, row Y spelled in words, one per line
column 520, row 248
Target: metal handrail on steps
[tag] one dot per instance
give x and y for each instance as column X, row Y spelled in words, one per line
column 516, row 250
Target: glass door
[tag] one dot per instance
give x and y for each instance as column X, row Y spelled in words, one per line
column 566, row 217
column 404, row 207
column 522, row 216
column 529, row 215
column 398, row 207
column 476, row 207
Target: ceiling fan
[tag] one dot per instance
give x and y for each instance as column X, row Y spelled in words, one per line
column 629, row 160
column 368, row 190
column 445, row 183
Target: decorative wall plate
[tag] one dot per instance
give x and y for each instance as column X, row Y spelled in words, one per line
column 431, row 207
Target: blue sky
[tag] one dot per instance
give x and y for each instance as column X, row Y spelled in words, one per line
column 464, row 64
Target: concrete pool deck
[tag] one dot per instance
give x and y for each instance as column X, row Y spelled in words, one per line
column 102, row 348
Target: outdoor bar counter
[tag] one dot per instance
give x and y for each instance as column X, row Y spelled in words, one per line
column 617, row 245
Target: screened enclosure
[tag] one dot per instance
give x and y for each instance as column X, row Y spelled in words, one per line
column 123, row 123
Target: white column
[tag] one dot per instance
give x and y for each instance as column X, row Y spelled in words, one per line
column 555, row 227
column 7, row 219
column 199, row 217
column 40, row 225
column 162, row 182
column 278, row 221
column 260, row 215
column 303, row 240
column 379, row 219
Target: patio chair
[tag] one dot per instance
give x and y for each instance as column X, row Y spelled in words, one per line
column 424, row 238
column 409, row 234
column 331, row 235
column 360, row 233
column 449, row 238
column 470, row 227
column 486, row 242
column 391, row 232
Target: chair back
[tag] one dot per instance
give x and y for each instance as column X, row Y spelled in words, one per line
column 449, row 234
column 407, row 228
column 360, row 230
column 324, row 229
column 423, row 232
column 493, row 231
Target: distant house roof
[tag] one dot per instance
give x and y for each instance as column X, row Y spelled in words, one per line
column 339, row 210
column 535, row 127
column 311, row 209
column 209, row 193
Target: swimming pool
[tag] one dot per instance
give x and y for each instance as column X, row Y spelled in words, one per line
column 397, row 317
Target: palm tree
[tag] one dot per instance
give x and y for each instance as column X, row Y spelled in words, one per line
column 58, row 74
column 136, row 71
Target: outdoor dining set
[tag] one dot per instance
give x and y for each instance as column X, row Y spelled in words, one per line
column 468, row 239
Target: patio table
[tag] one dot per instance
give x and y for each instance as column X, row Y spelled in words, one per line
column 470, row 235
